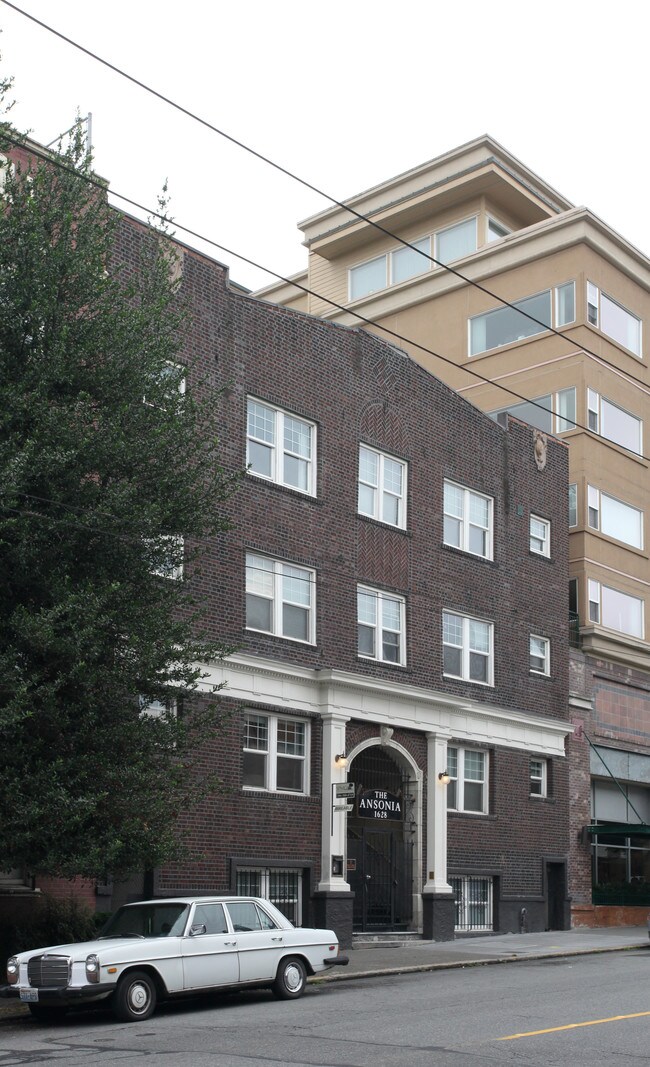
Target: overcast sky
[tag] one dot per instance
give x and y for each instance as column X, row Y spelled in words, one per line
column 345, row 94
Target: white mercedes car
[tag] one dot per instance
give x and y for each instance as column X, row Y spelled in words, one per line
column 157, row 949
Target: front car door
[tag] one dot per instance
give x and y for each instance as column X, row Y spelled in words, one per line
column 209, row 950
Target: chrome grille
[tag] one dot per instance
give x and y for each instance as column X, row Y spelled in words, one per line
column 48, row 971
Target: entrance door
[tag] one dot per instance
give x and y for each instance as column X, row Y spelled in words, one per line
column 556, row 889
column 380, row 879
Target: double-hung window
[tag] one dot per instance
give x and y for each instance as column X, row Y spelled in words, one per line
column 380, row 626
column 613, row 319
column 540, row 655
column 538, row 777
column 275, row 753
column 467, row 648
column 614, row 518
column 280, row 598
column 382, row 487
column 522, row 318
column 614, row 423
column 467, row 520
column 615, row 610
column 281, row 447
column 467, row 789
column 540, row 536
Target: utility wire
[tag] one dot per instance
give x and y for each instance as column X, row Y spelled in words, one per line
column 362, row 318
column 308, row 185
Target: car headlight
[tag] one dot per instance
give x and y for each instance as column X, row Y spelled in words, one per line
column 92, row 968
column 12, row 970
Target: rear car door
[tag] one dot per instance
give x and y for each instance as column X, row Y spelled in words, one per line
column 259, row 940
column 209, row 951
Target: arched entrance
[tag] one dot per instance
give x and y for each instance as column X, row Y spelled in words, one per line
column 381, row 830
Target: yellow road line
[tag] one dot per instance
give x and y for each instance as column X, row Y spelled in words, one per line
column 574, row 1026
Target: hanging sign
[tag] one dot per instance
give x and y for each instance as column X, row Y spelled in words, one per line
column 379, row 804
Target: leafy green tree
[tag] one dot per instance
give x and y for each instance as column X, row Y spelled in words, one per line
column 106, row 464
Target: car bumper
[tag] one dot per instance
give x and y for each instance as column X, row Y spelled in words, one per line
column 337, row 961
column 60, row 994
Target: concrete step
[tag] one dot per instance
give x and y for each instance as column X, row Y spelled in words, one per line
column 385, row 939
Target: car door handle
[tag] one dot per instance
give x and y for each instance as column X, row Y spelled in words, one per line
column 276, row 939
column 230, row 942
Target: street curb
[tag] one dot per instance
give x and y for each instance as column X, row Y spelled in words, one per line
column 351, row 976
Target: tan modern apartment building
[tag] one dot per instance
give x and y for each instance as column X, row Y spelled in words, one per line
column 522, row 302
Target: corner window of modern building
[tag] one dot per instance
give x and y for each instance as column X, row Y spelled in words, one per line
column 573, row 505
column 614, row 518
column 611, row 318
column 467, row 520
column 380, row 626
column 467, row 648
column 538, row 777
column 540, row 536
column 522, row 318
column 615, row 610
column 614, row 423
column 455, row 241
column 382, row 487
column 281, row 886
column 496, row 230
column 551, row 413
column 467, row 789
column 275, row 753
column 540, row 655
column 281, row 447
column 280, row 598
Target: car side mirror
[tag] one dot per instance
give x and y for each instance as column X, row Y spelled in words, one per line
column 198, row 928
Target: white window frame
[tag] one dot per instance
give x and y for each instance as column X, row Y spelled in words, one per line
column 597, row 502
column 540, row 543
column 379, row 627
column 467, row 651
column 272, row 752
column 466, row 525
column 532, row 324
column 447, row 229
column 597, row 407
column 279, row 570
column 381, row 491
column 538, row 777
column 492, row 222
column 277, row 449
column 597, row 594
column 456, row 795
column 540, row 652
column 596, row 298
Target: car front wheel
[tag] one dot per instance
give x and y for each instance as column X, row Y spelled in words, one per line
column 291, row 979
column 135, row 997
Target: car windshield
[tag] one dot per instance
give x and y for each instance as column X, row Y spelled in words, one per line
column 147, row 920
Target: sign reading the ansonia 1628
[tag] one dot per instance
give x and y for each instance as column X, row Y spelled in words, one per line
column 378, row 804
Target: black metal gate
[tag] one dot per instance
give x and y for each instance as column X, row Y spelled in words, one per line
column 381, row 877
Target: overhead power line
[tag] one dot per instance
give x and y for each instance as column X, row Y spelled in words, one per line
column 314, row 188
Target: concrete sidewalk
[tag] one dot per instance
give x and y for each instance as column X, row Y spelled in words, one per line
column 400, row 957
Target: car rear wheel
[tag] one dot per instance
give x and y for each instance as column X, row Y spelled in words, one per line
column 135, row 997
column 291, row 979
column 46, row 1013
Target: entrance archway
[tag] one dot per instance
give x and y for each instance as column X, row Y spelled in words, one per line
column 381, row 838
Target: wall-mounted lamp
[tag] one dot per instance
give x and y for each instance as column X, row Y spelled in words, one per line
column 341, row 760
column 444, row 778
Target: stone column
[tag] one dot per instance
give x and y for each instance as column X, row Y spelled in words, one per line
column 333, row 899
column 437, row 894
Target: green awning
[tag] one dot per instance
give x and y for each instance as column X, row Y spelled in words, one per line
column 619, row 829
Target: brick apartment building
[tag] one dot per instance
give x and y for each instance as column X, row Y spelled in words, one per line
column 395, row 588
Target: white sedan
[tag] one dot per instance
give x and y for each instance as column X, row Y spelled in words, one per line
column 161, row 948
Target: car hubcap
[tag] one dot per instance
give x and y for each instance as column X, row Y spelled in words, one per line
column 139, row 997
column 293, row 977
